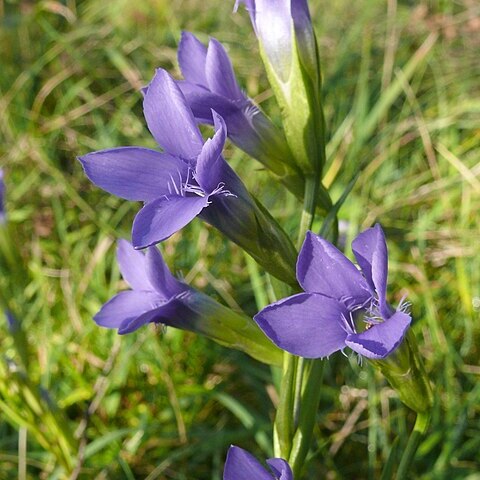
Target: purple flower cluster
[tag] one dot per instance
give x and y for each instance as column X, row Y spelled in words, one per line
column 189, row 178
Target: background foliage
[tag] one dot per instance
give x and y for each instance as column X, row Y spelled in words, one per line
column 401, row 93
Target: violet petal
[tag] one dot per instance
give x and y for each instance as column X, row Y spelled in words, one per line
column 219, row 72
column 164, row 314
column 132, row 265
column 170, row 119
column 322, row 268
column 274, row 28
column 202, row 101
column 280, row 468
column 160, row 276
column 308, row 325
column 133, row 173
column 125, row 307
column 160, row 219
column 192, row 56
column 370, row 249
column 381, row 339
column 209, row 163
column 241, row 465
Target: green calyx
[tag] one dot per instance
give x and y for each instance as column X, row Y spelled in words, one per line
column 207, row 317
column 406, row 373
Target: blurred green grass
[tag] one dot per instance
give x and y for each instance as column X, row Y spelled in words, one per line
column 401, row 93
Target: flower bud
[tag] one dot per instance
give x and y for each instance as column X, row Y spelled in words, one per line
column 289, row 50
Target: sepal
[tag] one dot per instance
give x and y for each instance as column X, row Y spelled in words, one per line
column 406, row 374
column 205, row 316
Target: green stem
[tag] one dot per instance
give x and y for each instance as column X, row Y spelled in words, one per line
column 298, row 391
column 309, row 205
column 419, row 429
column 288, row 411
column 283, row 428
column 306, row 423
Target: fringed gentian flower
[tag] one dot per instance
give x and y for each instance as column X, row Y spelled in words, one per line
column 342, row 306
column 210, row 83
column 176, row 185
column 190, row 178
column 289, row 51
column 156, row 296
column 241, row 465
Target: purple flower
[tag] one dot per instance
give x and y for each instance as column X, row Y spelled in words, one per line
column 341, row 307
column 176, row 185
column 210, row 84
column 156, row 296
column 241, row 465
column 190, row 178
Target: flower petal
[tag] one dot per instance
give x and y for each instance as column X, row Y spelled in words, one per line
column 322, row 268
column 160, row 277
column 202, row 101
column 192, row 55
column 241, row 465
column 280, row 468
column 209, row 169
column 247, row 125
column 134, row 173
column 308, row 325
column 160, row 219
column 219, row 72
column 162, row 314
column 170, row 119
column 370, row 249
column 381, row 339
column 125, row 307
column 132, row 266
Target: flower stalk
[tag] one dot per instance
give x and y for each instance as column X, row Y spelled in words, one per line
column 419, row 429
column 291, row 422
column 310, row 399
column 284, row 420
